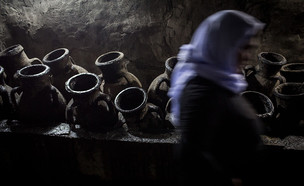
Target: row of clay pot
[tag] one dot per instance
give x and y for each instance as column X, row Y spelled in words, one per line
column 275, row 89
column 274, row 82
column 57, row 90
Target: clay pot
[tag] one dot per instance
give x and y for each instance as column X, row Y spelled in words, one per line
column 40, row 103
column 158, row 89
column 6, row 107
column 14, row 58
column 293, row 72
column 62, row 68
column 290, row 103
column 115, row 73
column 89, row 107
column 261, row 104
column 138, row 113
column 265, row 76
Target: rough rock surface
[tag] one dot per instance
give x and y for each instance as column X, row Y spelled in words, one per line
column 146, row 31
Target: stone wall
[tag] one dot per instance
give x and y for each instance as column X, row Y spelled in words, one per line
column 146, row 31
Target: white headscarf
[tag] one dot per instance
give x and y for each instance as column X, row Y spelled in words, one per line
column 212, row 54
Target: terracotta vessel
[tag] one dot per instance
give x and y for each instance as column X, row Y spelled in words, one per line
column 138, row 113
column 290, row 103
column 116, row 76
column 89, row 107
column 293, row 72
column 62, row 68
column 6, row 107
column 158, row 89
column 261, row 104
column 14, row 58
column 40, row 103
column 265, row 76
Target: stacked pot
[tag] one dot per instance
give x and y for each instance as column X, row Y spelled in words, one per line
column 55, row 89
column 274, row 81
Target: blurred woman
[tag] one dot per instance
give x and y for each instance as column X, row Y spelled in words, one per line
column 220, row 131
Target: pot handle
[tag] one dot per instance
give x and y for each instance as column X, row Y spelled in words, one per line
column 281, row 79
column 107, row 99
column 72, row 60
column 163, row 79
column 168, row 106
column 246, row 70
column 13, row 95
column 155, row 108
column 35, row 61
column 5, row 96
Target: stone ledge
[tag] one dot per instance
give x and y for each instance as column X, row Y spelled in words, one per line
column 289, row 142
column 64, row 130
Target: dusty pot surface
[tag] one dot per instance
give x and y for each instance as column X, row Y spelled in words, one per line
column 138, row 113
column 290, row 102
column 14, row 58
column 158, row 89
column 89, row 107
column 265, row 76
column 114, row 71
column 261, row 103
column 293, row 72
column 40, row 103
column 62, row 68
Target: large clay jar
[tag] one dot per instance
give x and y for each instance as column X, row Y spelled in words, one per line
column 92, row 109
column 14, row 58
column 265, row 76
column 293, row 72
column 116, row 76
column 62, row 68
column 158, row 89
column 290, row 104
column 140, row 115
column 40, row 103
column 262, row 105
column 6, row 108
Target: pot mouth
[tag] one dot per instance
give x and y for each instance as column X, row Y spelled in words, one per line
column 170, row 63
column 261, row 103
column 109, row 58
column 82, row 83
column 272, row 58
column 130, row 99
column 293, row 67
column 12, row 50
column 289, row 90
column 31, row 71
column 56, row 55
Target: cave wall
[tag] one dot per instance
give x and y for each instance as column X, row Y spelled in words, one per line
column 147, row 31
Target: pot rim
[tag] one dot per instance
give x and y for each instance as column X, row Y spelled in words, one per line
column 12, row 50
column 79, row 92
column 46, row 60
column 118, row 97
column 270, row 113
column 45, row 71
column 286, row 96
column 115, row 60
column 266, row 61
column 284, row 67
column 167, row 65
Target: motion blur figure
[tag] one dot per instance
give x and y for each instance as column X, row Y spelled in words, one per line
column 220, row 131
